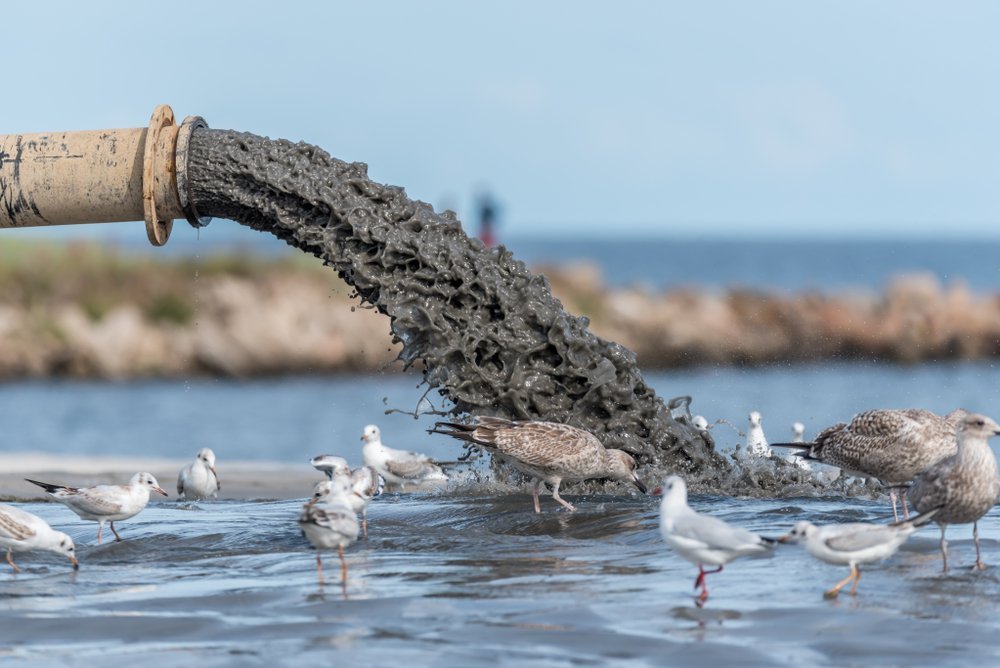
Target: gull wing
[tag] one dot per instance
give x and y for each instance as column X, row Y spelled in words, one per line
column 855, row 537
column 15, row 524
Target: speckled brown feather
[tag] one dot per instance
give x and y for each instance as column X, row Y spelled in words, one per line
column 891, row 445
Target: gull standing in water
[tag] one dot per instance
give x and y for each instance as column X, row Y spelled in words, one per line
column 701, row 539
column 198, row 480
column 399, row 467
column 853, row 544
column 328, row 521
column 105, row 503
column 890, row 445
column 364, row 483
column 756, row 446
column 964, row 486
column 20, row 531
column 547, row 451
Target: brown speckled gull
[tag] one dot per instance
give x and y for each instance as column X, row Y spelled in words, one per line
column 546, row 451
column 965, row 486
column 891, row 445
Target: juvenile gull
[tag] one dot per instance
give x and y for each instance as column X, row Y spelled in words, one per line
column 329, row 521
column 549, row 452
column 965, row 485
column 365, row 484
column 701, row 539
column 20, row 531
column 198, row 480
column 105, row 503
column 399, row 467
column 854, row 543
column 330, row 465
column 890, row 445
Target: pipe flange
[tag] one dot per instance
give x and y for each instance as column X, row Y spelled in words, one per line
column 157, row 230
column 190, row 124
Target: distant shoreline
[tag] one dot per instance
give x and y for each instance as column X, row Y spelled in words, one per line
column 82, row 311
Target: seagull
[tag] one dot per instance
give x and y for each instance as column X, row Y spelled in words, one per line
column 891, row 445
column 756, row 446
column 365, row 484
column 798, row 435
column 547, row 451
column 328, row 521
column 854, row 543
column 330, row 465
column 965, row 485
column 399, row 467
column 105, row 503
column 700, row 423
column 199, row 480
column 701, row 539
column 20, row 531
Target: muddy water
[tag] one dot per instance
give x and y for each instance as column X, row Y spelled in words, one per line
column 484, row 330
column 473, row 578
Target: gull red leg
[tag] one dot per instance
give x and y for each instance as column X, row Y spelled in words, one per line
column 10, row 561
column 534, row 494
column 319, row 567
column 700, row 581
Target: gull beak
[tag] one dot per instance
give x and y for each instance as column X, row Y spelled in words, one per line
column 362, row 437
column 212, row 469
column 784, row 539
column 76, row 564
column 157, row 489
column 638, row 483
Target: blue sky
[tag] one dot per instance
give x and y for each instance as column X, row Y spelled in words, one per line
column 761, row 119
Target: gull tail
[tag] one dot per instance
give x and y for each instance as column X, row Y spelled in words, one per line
column 50, row 488
column 463, row 432
column 919, row 520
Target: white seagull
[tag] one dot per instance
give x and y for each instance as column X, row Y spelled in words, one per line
column 20, row 531
column 364, row 483
column 701, row 539
column 854, row 543
column 399, row 467
column 329, row 521
column 756, row 446
column 199, row 480
column 105, row 503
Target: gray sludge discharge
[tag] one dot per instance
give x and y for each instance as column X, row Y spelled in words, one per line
column 485, row 331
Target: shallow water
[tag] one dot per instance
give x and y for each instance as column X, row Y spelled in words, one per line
column 467, row 579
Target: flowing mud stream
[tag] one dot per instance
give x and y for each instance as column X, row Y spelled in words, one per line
column 486, row 332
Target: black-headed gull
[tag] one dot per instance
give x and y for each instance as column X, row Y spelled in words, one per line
column 854, row 543
column 21, row 531
column 701, row 539
column 399, row 467
column 329, row 521
column 199, row 480
column 105, row 503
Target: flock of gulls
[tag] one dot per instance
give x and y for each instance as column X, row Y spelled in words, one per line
column 942, row 465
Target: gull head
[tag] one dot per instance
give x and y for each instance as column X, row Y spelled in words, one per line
column 621, row 466
column 700, row 423
column 147, row 480
column 675, row 491
column 799, row 533
column 336, row 486
column 754, row 418
column 208, row 457
column 975, row 425
column 66, row 546
column 371, row 434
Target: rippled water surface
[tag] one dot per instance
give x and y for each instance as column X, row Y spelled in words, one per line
column 465, row 579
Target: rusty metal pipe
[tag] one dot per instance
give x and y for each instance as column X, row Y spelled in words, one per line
column 100, row 176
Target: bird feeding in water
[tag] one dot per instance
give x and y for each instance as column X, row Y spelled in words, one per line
column 701, row 539
column 21, row 531
column 549, row 452
column 105, row 503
